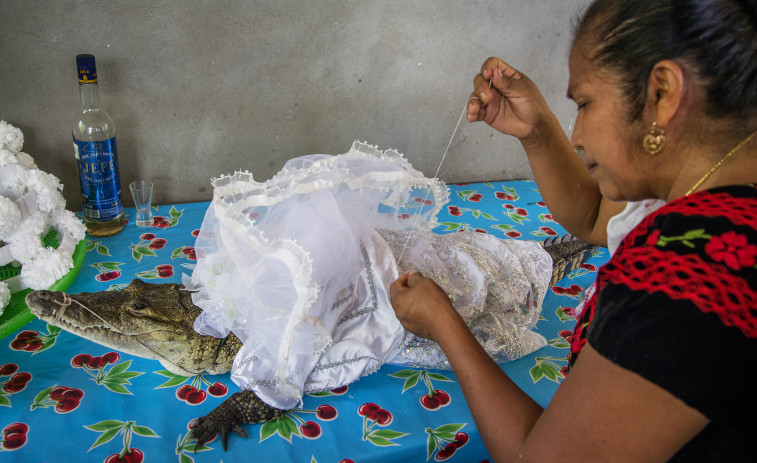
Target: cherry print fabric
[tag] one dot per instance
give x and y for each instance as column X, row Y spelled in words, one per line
column 135, row 407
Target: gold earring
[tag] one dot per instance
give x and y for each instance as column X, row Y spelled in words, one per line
column 654, row 141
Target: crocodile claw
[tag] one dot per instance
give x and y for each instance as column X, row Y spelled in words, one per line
column 209, row 426
column 242, row 407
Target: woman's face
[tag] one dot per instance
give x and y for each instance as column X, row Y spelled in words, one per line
column 604, row 133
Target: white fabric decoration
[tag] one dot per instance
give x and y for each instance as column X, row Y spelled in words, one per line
column 299, row 268
column 30, row 204
column 634, row 212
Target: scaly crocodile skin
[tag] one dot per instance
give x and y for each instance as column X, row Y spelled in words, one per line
column 241, row 407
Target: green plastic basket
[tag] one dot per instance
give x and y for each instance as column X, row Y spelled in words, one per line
column 16, row 313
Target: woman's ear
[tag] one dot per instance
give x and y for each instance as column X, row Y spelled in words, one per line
column 665, row 93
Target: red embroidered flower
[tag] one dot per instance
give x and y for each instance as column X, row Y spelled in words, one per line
column 733, row 250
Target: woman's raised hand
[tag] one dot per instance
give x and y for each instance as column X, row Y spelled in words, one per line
column 507, row 100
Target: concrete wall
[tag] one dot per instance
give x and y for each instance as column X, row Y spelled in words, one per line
column 201, row 88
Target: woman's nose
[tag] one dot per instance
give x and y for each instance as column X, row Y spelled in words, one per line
column 575, row 135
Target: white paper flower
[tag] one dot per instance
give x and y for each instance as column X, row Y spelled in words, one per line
column 49, row 266
column 11, row 138
column 5, row 296
column 7, row 157
column 47, row 187
column 10, row 217
column 30, row 204
column 26, row 160
column 24, row 247
column 34, row 224
column 65, row 221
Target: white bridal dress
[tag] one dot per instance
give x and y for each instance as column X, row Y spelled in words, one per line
column 299, row 268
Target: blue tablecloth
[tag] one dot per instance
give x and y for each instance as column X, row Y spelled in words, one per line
column 107, row 404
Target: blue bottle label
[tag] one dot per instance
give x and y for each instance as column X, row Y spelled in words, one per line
column 99, row 178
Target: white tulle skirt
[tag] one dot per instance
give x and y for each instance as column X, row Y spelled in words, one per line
column 299, row 267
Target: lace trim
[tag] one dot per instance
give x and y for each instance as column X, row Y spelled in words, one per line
column 240, row 191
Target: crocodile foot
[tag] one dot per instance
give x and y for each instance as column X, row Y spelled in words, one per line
column 242, row 407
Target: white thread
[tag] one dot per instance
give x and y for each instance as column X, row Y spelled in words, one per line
column 418, row 214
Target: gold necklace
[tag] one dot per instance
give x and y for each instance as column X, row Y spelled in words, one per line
column 720, row 163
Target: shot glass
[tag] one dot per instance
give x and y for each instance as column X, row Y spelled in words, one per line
column 141, row 191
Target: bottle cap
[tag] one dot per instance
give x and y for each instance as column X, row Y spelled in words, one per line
column 87, row 69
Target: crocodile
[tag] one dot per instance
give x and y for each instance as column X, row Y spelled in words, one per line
column 156, row 321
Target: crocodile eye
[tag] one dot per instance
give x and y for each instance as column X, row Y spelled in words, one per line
column 139, row 306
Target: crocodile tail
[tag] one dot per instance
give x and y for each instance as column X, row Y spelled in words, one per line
column 568, row 254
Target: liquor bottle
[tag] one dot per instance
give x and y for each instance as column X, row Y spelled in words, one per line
column 96, row 157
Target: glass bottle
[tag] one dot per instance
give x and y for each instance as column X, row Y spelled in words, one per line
column 96, row 157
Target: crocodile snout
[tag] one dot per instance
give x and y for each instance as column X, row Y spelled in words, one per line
column 42, row 302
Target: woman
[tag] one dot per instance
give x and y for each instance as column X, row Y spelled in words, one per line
column 663, row 353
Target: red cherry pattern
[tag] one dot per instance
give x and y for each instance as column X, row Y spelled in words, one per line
column 159, row 221
column 310, row 430
column 340, row 390
column 548, row 231
column 367, row 409
column 13, row 436
column 165, row 270
column 504, row 196
column 437, row 400
column 218, row 389
column 375, row 413
column 95, row 363
column 191, row 395
column 17, row 380
column 572, row 290
column 108, row 276
column 27, row 340
column 445, row 453
column 326, row 412
column 156, row 244
column 131, row 456
column 67, row 398
column 189, row 251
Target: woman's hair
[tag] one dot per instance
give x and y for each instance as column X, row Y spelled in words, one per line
column 714, row 39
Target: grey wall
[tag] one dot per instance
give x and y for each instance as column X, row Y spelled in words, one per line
column 201, row 88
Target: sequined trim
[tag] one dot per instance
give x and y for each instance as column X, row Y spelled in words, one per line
column 342, row 301
column 371, row 284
